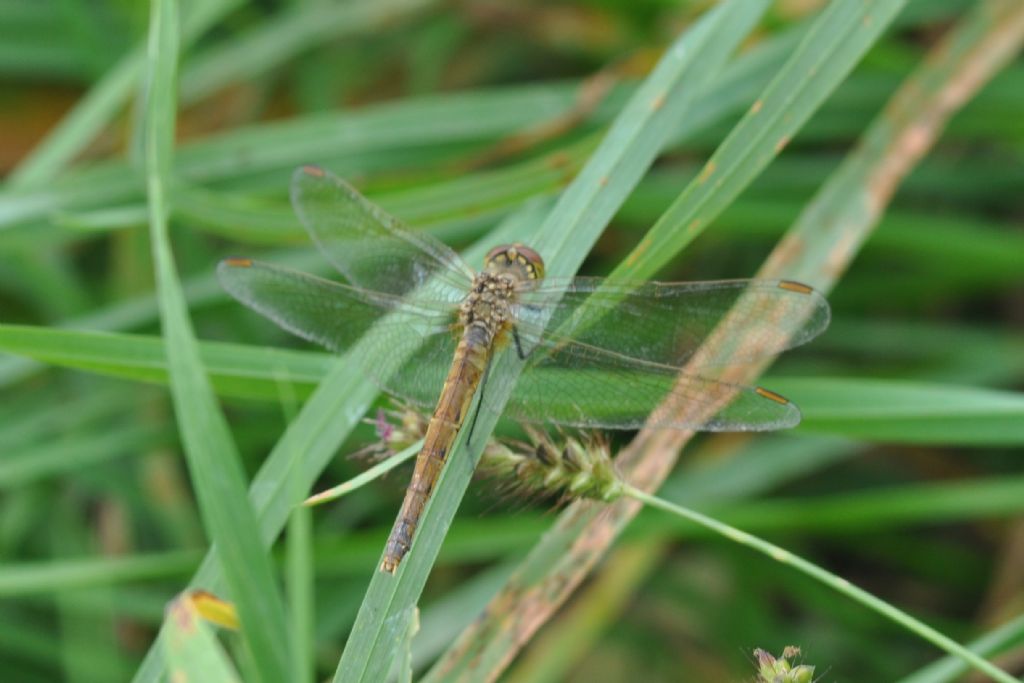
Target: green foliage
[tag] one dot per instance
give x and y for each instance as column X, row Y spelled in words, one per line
column 155, row 435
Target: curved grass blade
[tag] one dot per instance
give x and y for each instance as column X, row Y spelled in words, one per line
column 212, row 458
column 44, row 578
column 78, row 128
column 199, row 290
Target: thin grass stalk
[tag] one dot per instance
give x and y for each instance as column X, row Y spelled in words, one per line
column 829, row 579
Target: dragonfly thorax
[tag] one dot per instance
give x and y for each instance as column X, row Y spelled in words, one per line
column 489, row 302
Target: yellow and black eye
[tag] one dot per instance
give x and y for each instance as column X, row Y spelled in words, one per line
column 533, row 262
column 506, row 254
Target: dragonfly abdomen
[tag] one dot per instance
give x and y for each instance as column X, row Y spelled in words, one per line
column 456, row 398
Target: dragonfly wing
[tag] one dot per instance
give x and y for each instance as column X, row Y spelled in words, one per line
column 371, row 248
column 582, row 387
column 604, row 356
column 666, row 323
column 411, row 338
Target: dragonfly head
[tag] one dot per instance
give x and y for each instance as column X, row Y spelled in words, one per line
column 516, row 260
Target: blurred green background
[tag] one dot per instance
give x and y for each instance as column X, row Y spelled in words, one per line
column 904, row 478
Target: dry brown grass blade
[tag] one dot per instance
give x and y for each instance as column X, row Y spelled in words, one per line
column 816, row 250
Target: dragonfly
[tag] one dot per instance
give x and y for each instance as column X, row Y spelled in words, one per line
column 595, row 354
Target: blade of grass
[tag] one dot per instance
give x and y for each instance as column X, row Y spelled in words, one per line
column 927, row 503
column 363, row 478
column 42, row 578
column 300, row 594
column 839, row 38
column 571, row 228
column 199, row 290
column 294, row 30
column 951, row 668
column 908, row 412
column 234, row 370
column 98, row 107
column 212, row 458
column 299, row 573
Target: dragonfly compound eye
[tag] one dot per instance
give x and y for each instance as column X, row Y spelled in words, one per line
column 518, row 258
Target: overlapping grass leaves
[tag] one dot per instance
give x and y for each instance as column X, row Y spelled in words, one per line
column 899, row 411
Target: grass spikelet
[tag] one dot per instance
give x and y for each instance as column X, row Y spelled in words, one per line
column 574, row 466
column 569, row 466
column 771, row 669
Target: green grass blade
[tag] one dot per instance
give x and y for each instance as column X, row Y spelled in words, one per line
column 43, row 578
column 98, row 107
column 834, row 45
column 952, row 668
column 300, row 594
column 908, row 412
column 234, row 370
column 573, row 226
column 299, row 28
column 212, row 458
column 856, row 194
column 200, row 290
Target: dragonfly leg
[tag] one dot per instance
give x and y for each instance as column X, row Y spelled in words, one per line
column 519, row 344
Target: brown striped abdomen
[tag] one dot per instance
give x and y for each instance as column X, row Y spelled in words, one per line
column 463, row 379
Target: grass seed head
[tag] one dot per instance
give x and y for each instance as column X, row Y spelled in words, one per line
column 771, row 669
column 568, row 466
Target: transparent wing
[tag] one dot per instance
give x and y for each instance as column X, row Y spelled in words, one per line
column 574, row 386
column 664, row 323
column 610, row 355
column 414, row 342
column 368, row 246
